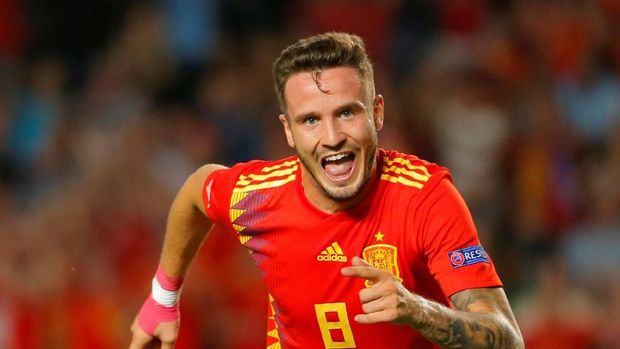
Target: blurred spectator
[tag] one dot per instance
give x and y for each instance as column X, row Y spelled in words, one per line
column 592, row 105
column 471, row 131
column 370, row 19
column 593, row 243
column 192, row 30
column 33, row 123
column 555, row 313
column 226, row 100
column 542, row 171
column 415, row 26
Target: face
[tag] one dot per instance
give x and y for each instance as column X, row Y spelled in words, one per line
column 332, row 124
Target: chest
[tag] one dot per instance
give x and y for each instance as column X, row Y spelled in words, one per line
column 287, row 238
column 301, row 255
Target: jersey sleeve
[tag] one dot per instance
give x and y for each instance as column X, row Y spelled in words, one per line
column 216, row 194
column 455, row 256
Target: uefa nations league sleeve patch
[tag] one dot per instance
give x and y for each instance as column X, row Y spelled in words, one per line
column 468, row 256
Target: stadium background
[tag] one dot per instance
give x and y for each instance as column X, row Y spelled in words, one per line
column 106, row 106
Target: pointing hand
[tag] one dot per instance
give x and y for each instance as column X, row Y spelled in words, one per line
column 387, row 300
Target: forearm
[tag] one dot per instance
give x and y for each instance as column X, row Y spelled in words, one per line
column 452, row 328
column 182, row 241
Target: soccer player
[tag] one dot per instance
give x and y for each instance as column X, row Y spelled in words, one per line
column 360, row 247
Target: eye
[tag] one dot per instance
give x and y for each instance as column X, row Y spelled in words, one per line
column 311, row 120
column 347, row 113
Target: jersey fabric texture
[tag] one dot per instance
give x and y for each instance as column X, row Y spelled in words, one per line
column 413, row 224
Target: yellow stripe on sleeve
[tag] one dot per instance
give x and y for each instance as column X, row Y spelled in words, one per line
column 401, row 180
column 407, row 163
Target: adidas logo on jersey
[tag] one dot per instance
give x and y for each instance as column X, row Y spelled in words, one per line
column 333, row 253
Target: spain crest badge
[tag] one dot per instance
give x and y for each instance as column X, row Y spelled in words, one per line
column 382, row 256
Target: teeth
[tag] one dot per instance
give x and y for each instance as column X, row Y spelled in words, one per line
column 336, row 157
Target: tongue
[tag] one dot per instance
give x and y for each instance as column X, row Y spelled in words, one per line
column 339, row 168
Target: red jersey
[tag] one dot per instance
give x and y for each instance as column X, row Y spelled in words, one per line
column 413, row 224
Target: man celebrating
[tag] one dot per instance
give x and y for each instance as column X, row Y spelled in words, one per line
column 360, row 247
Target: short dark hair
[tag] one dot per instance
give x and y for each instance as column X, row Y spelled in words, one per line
column 321, row 51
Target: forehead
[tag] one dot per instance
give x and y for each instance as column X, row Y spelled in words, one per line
column 306, row 88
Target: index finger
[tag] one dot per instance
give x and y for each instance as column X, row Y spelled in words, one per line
column 368, row 273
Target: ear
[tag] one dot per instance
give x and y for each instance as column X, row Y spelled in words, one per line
column 378, row 108
column 287, row 130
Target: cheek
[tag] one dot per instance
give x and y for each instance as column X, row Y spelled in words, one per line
column 366, row 133
column 304, row 141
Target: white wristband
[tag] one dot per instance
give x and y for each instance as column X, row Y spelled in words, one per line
column 163, row 296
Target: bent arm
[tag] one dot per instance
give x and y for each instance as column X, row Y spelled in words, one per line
column 187, row 225
column 481, row 319
column 186, row 229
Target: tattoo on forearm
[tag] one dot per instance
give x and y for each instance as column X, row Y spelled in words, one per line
column 470, row 329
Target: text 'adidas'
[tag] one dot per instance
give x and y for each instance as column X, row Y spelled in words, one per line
column 333, row 253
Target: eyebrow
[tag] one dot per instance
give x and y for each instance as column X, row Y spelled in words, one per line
column 355, row 105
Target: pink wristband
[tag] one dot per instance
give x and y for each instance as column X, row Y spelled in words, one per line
column 166, row 282
column 153, row 313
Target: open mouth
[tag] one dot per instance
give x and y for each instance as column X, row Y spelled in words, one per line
column 338, row 166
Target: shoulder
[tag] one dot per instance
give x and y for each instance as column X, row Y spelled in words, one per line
column 261, row 167
column 214, row 185
column 262, row 174
column 409, row 171
column 255, row 174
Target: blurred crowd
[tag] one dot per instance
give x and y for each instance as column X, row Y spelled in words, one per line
column 107, row 106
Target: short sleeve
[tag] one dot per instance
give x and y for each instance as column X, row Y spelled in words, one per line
column 216, row 196
column 455, row 255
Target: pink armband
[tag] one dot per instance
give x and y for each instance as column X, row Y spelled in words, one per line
column 162, row 304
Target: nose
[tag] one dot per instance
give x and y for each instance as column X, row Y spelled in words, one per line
column 333, row 136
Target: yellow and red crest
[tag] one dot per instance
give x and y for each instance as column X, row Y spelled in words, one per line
column 382, row 256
